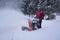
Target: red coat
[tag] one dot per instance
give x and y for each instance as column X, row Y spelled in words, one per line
column 40, row 14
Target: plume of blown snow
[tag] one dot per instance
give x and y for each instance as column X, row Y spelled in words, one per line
column 11, row 19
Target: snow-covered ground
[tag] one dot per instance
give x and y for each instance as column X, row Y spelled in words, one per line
column 12, row 20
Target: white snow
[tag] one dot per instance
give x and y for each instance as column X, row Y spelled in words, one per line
column 12, row 20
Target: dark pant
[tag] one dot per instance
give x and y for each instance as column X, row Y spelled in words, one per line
column 39, row 23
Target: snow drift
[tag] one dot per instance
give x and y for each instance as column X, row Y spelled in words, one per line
column 10, row 27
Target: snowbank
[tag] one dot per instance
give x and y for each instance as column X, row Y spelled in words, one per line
column 10, row 27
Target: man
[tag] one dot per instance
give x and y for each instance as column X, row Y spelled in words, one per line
column 39, row 15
